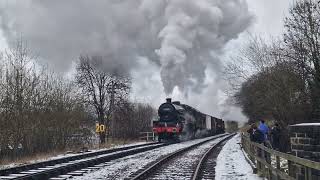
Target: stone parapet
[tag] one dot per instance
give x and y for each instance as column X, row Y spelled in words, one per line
column 305, row 143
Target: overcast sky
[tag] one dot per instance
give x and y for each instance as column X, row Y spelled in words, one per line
column 163, row 37
column 269, row 15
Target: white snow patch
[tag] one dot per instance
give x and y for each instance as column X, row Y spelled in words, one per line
column 65, row 155
column 6, row 166
column 231, row 163
column 307, row 124
column 180, row 168
column 124, row 167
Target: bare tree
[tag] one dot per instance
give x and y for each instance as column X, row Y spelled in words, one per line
column 271, row 85
column 39, row 111
column 283, row 81
column 103, row 89
column 302, row 38
column 131, row 119
column 277, row 94
column 254, row 57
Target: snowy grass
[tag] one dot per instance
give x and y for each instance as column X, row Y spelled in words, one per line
column 7, row 163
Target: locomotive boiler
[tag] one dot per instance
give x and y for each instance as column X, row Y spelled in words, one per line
column 182, row 122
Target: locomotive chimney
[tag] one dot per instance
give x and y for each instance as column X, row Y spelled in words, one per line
column 168, row 100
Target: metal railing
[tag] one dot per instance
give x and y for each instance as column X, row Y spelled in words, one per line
column 273, row 164
column 147, row 136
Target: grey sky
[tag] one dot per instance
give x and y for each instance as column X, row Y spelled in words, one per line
column 269, row 15
column 157, row 48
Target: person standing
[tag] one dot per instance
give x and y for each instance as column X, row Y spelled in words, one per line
column 275, row 136
column 264, row 129
column 255, row 134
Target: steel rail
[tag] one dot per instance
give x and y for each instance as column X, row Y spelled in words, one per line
column 67, row 164
column 199, row 168
column 151, row 169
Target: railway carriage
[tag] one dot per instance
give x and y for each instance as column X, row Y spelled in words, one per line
column 182, row 122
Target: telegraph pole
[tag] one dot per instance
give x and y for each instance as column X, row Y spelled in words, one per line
column 112, row 100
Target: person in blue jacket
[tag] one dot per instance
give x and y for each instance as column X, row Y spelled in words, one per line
column 264, row 129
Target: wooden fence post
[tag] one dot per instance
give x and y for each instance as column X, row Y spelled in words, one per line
column 308, row 173
column 269, row 162
column 297, row 167
column 259, row 164
column 153, row 137
column 278, row 166
column 291, row 169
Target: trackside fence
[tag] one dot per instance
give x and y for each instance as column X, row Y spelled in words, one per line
column 147, row 136
column 273, row 164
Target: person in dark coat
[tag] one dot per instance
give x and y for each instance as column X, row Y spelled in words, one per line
column 275, row 136
column 258, row 137
column 255, row 134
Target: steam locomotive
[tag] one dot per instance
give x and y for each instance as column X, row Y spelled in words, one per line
column 182, row 122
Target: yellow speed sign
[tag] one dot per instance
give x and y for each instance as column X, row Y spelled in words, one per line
column 100, row 128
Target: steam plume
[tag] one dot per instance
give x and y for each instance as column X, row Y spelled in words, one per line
column 182, row 36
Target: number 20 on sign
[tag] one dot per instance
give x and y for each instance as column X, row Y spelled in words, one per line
column 100, row 128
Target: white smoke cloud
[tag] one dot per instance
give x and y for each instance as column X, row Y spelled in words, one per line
column 177, row 39
column 195, row 30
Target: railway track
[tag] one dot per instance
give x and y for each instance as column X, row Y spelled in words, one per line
column 205, row 168
column 184, row 163
column 74, row 165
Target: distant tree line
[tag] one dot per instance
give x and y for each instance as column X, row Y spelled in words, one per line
column 232, row 126
column 42, row 112
column 131, row 119
column 38, row 109
column 280, row 79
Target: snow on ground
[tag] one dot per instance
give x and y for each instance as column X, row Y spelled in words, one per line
column 124, row 167
column 6, row 166
column 307, row 124
column 231, row 163
column 64, row 155
column 59, row 156
column 283, row 163
column 180, row 169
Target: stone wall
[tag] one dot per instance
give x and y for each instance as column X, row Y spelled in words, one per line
column 305, row 143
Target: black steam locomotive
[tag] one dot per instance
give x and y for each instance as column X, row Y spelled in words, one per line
column 182, row 122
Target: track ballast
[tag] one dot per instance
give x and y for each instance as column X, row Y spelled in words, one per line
column 180, row 164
